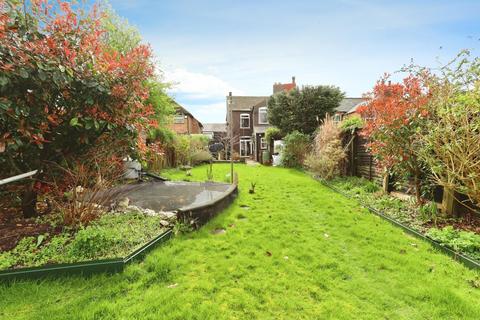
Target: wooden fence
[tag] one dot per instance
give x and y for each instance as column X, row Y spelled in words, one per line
column 361, row 163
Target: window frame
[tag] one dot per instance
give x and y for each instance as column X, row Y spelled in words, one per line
column 177, row 117
column 245, row 140
column 337, row 118
column 244, row 116
column 260, row 111
column 263, row 143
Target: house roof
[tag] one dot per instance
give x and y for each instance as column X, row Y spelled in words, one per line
column 215, row 127
column 180, row 109
column 244, row 103
column 348, row 103
column 355, row 107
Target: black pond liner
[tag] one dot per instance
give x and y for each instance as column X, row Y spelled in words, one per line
column 466, row 260
column 197, row 212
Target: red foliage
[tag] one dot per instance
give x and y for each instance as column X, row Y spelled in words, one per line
column 392, row 112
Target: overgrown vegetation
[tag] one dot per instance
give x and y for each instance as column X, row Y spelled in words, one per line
column 451, row 140
column 461, row 241
column 296, row 147
column 111, row 236
column 325, row 158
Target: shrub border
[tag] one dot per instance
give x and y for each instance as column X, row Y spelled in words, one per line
column 466, row 260
column 84, row 268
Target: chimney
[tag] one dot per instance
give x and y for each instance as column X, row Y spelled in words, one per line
column 293, row 79
column 230, row 94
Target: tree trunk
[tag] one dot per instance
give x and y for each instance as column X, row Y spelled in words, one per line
column 29, row 202
column 418, row 186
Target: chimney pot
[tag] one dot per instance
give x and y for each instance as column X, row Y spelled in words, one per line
column 293, row 79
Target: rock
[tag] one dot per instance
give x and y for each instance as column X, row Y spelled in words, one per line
column 219, row 231
column 167, row 215
column 122, row 204
column 164, row 223
column 149, row 212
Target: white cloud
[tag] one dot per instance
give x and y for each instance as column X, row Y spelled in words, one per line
column 197, row 85
column 213, row 112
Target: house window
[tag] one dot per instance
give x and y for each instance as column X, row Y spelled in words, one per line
column 244, row 121
column 262, row 115
column 179, row 118
column 263, row 143
column 337, row 118
column 245, row 146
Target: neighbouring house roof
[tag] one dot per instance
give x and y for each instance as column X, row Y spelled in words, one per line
column 348, row 103
column 215, row 127
column 244, row 103
column 354, row 109
column 180, row 109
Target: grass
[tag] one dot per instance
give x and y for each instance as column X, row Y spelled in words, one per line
column 292, row 250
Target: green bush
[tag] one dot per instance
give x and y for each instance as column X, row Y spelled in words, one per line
column 458, row 240
column 191, row 148
column 272, row 133
column 296, row 146
column 200, row 157
column 352, row 123
column 371, row 187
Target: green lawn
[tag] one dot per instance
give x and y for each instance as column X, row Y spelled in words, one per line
column 298, row 251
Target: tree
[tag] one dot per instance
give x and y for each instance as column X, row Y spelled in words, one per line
column 296, row 146
column 395, row 112
column 450, row 145
column 304, row 109
column 64, row 89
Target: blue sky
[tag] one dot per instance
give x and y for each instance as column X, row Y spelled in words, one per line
column 207, row 48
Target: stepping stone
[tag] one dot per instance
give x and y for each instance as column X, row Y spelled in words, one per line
column 219, row 231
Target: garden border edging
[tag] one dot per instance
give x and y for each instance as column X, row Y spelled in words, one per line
column 466, row 260
column 110, row 266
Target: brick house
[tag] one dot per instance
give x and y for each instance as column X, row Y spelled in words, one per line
column 184, row 122
column 247, row 120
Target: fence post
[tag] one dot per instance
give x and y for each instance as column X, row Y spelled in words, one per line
column 449, row 203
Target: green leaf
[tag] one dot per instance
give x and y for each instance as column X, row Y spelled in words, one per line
column 74, row 122
column 40, row 240
column 4, row 81
column 23, row 73
column 5, row 104
column 42, row 75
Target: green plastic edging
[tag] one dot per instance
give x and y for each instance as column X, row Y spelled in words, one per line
column 86, row 267
column 466, row 260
